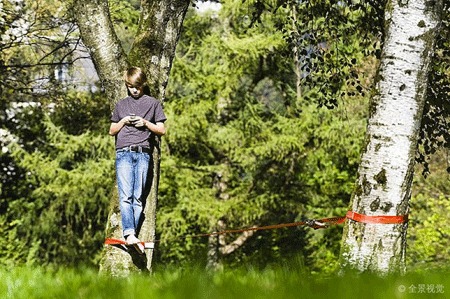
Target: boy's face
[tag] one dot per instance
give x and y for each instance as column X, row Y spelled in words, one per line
column 135, row 91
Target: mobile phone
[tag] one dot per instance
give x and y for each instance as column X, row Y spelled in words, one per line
column 133, row 118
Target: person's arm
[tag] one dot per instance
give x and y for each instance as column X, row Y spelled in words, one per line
column 116, row 127
column 157, row 128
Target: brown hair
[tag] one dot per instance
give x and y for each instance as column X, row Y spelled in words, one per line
column 135, row 76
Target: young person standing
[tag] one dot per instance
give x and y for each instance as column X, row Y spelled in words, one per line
column 133, row 121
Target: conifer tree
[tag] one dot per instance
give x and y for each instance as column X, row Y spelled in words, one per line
column 56, row 193
column 243, row 149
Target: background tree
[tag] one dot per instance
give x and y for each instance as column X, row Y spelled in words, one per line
column 50, row 201
column 386, row 169
column 53, row 204
column 37, row 39
column 38, row 42
column 243, row 150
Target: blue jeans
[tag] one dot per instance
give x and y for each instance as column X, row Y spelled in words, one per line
column 131, row 171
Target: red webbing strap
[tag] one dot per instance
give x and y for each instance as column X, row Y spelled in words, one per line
column 248, row 229
column 334, row 221
column 315, row 224
column 118, row 242
column 376, row 219
column 114, row 242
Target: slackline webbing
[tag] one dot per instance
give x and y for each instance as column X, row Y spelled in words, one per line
column 313, row 223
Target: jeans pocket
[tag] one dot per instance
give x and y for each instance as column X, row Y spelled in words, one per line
column 119, row 155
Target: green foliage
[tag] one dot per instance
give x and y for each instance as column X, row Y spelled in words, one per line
column 78, row 112
column 59, row 184
column 432, row 226
column 330, row 39
column 241, row 147
column 428, row 230
column 434, row 134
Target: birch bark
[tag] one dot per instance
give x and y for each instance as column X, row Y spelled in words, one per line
column 386, row 169
column 153, row 49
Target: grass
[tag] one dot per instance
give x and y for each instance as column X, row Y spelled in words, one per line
column 194, row 283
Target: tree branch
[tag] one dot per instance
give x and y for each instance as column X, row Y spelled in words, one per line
column 104, row 47
column 226, row 249
column 43, row 64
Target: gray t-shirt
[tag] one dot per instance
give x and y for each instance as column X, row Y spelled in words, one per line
column 146, row 107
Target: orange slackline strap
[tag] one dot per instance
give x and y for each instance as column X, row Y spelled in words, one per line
column 313, row 223
column 376, row 219
column 115, row 242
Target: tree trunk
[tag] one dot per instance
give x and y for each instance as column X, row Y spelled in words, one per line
column 153, row 50
column 99, row 37
column 154, row 45
column 386, row 169
column 219, row 248
column 212, row 256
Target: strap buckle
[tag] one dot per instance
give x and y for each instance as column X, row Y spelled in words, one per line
column 315, row 224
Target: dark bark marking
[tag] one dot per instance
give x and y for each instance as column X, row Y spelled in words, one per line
column 374, row 205
column 380, row 178
column 367, row 187
column 386, row 207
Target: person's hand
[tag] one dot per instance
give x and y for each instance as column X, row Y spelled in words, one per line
column 139, row 121
column 129, row 120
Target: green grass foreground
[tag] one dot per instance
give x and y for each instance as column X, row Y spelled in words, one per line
column 183, row 283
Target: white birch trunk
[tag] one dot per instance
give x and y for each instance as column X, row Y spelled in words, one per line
column 386, row 169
